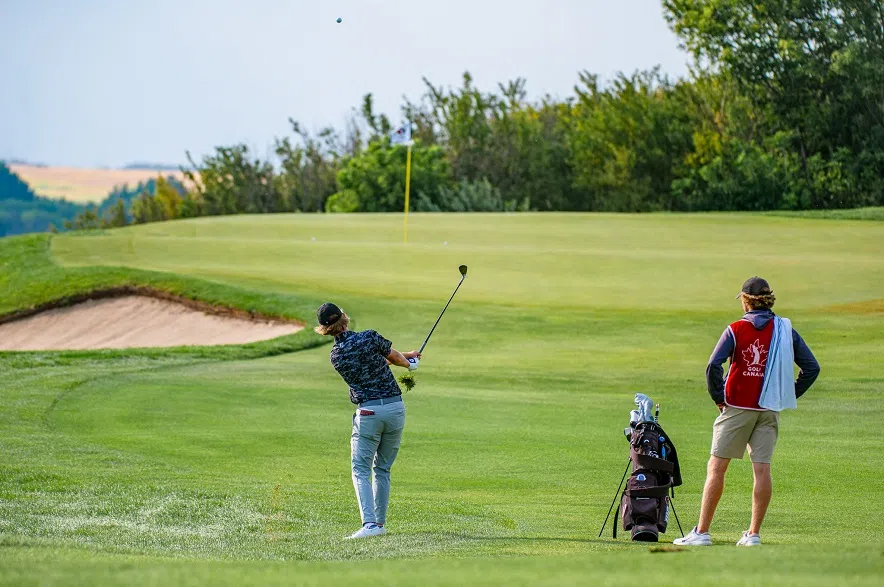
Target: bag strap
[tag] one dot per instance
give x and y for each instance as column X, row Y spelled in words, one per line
column 660, row 491
column 617, row 515
column 652, row 463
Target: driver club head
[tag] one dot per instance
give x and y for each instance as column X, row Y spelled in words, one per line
column 463, row 270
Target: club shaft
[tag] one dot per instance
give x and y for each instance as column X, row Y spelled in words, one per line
column 440, row 315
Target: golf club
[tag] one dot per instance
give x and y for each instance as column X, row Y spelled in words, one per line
column 463, row 274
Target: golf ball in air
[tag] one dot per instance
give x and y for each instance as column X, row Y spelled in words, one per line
column 340, row 20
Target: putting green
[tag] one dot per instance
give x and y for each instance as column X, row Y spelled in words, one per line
column 193, row 469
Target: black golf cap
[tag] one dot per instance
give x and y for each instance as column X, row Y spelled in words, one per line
column 755, row 286
column 328, row 314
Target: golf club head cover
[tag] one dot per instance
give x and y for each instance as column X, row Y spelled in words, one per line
column 645, row 406
column 412, row 364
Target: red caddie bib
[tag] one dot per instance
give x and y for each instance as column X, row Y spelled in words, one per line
column 746, row 375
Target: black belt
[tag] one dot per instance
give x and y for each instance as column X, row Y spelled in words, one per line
column 382, row 401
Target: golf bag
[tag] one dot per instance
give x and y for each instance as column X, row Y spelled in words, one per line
column 644, row 504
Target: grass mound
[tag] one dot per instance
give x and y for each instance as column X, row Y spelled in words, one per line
column 31, row 282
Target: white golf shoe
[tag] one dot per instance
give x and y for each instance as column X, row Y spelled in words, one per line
column 749, row 540
column 367, row 532
column 694, row 538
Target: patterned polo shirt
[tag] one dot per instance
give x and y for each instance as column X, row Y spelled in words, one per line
column 360, row 358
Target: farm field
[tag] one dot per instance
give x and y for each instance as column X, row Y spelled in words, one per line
column 83, row 185
column 230, row 465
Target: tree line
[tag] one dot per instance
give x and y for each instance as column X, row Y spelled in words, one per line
column 783, row 109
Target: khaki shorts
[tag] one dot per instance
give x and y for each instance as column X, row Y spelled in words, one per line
column 736, row 428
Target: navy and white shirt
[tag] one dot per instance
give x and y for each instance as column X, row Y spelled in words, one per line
column 360, row 358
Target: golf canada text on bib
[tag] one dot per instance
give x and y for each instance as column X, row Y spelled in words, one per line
column 745, row 377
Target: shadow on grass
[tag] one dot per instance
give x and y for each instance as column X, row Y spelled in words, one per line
column 664, row 545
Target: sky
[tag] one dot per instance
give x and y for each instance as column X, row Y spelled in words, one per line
column 104, row 83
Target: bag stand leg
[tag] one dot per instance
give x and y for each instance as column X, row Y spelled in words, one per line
column 611, row 509
column 675, row 513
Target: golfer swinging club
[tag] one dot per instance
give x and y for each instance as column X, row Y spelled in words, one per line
column 362, row 359
column 760, row 383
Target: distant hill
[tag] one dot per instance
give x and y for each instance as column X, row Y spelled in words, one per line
column 12, row 187
column 23, row 162
column 21, row 210
column 152, row 166
column 84, row 185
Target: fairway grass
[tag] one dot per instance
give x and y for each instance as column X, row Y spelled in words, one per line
column 230, row 466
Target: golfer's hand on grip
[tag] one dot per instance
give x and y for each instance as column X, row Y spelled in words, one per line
column 403, row 359
column 413, row 359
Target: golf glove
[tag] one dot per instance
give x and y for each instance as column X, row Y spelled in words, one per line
column 412, row 364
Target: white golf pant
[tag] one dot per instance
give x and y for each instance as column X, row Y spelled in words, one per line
column 374, row 444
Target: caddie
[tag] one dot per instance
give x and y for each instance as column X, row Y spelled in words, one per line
column 363, row 360
column 760, row 383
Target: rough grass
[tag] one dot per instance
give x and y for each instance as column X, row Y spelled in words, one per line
column 230, row 469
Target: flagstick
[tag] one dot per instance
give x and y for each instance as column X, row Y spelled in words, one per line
column 407, row 189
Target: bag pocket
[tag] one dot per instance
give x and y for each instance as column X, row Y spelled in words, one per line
column 646, row 441
column 640, row 510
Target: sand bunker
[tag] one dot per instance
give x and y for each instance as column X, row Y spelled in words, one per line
column 132, row 321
